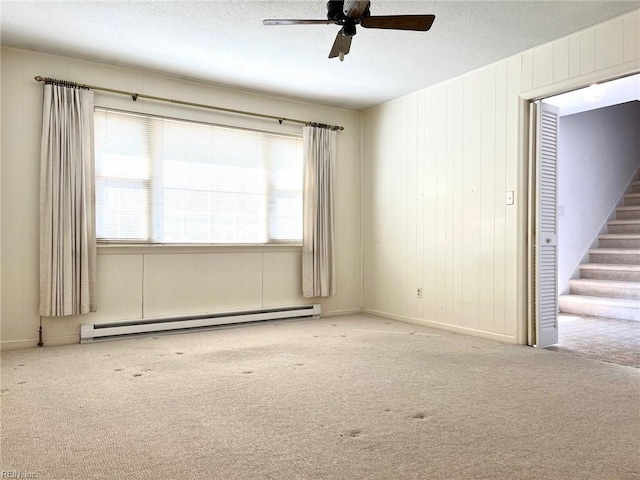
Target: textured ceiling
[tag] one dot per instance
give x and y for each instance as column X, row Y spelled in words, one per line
column 225, row 42
column 602, row 95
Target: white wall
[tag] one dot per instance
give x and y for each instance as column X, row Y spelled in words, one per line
column 142, row 282
column 436, row 166
column 598, row 152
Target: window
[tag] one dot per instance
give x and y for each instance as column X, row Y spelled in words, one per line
column 161, row 180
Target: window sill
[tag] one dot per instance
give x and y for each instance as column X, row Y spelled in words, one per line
column 136, row 249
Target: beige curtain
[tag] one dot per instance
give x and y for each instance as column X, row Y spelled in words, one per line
column 318, row 259
column 67, row 213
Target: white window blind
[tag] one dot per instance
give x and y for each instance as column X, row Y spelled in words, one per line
column 161, row 180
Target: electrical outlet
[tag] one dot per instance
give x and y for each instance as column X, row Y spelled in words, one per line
column 509, row 197
column 419, row 292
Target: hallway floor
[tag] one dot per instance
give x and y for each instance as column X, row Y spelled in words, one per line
column 604, row 339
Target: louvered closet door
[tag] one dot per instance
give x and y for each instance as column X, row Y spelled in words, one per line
column 546, row 239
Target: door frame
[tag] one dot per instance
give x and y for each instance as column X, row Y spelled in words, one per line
column 525, row 333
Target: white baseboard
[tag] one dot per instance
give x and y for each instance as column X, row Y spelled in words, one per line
column 72, row 339
column 47, row 341
column 18, row 344
column 444, row 326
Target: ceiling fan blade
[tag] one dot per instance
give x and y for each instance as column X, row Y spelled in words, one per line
column 399, row 22
column 341, row 46
column 274, row 21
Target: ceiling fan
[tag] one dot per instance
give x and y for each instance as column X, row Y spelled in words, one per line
column 350, row 13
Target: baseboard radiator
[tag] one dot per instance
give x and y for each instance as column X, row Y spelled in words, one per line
column 90, row 332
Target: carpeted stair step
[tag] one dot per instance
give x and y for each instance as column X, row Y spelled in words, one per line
column 624, row 226
column 619, row 240
column 635, row 187
column 632, row 199
column 605, row 288
column 606, row 271
column 628, row 212
column 625, row 256
column 621, row 308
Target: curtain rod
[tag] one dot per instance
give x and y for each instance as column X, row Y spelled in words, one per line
column 135, row 97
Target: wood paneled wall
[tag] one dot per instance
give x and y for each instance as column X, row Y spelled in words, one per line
column 436, row 168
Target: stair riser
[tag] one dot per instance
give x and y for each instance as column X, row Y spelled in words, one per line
column 620, row 243
column 619, row 259
column 631, row 293
column 609, row 275
column 631, row 200
column 628, row 214
column 623, row 229
column 635, row 189
column 567, row 305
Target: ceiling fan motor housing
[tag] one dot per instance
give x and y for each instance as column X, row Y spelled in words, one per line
column 337, row 12
column 334, row 10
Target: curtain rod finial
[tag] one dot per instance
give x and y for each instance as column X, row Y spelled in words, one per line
column 38, row 78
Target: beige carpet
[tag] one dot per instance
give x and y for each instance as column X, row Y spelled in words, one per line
column 605, row 339
column 354, row 397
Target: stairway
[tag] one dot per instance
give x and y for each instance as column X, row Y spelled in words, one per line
column 609, row 286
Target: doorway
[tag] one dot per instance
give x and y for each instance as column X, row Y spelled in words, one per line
column 605, row 98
